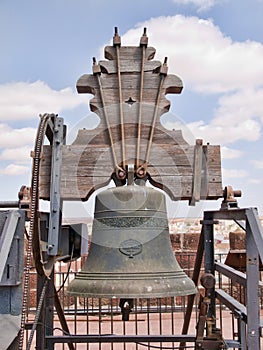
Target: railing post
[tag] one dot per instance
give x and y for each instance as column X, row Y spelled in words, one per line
column 253, row 317
column 209, row 256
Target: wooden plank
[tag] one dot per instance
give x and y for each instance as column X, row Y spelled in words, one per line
column 85, row 167
column 79, row 156
column 99, row 136
column 132, row 82
column 126, row 52
column 129, row 66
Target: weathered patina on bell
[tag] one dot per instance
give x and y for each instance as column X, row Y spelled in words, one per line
column 130, row 253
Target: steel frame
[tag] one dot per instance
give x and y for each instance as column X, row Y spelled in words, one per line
column 249, row 314
column 248, row 317
column 249, row 327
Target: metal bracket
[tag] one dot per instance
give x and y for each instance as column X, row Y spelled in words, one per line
column 55, row 201
column 6, row 239
column 230, row 201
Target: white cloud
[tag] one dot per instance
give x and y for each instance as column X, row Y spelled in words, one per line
column 239, row 116
column 202, row 5
column 16, row 145
column 220, row 131
column 234, row 173
column 20, row 155
column 206, row 59
column 257, row 163
column 24, row 101
column 230, row 153
column 14, row 138
column 212, row 63
column 255, row 181
column 14, row 169
column 240, row 106
column 248, row 130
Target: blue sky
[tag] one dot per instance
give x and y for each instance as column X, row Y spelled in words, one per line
column 215, row 46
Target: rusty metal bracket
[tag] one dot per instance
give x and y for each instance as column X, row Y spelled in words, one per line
column 230, row 195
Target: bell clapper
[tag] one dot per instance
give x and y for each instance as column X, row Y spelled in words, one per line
column 126, row 306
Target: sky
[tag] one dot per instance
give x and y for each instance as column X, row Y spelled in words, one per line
column 214, row 46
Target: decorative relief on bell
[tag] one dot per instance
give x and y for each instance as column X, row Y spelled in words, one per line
column 130, row 222
column 130, row 247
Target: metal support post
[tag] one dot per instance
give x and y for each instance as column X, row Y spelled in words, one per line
column 242, row 333
column 209, row 254
column 46, row 317
column 49, row 311
column 253, row 317
column 55, row 201
column 40, row 330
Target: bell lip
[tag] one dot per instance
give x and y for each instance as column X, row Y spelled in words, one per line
column 133, row 295
column 167, row 288
column 126, row 276
column 162, row 284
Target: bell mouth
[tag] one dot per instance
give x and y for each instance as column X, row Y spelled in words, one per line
column 131, row 272
column 134, row 285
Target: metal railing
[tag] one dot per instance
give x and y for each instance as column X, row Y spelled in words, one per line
column 159, row 318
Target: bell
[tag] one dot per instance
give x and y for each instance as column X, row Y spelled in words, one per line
column 130, row 254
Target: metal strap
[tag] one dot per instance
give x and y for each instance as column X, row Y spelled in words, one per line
column 121, row 107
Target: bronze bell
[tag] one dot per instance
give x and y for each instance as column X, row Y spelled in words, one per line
column 130, row 255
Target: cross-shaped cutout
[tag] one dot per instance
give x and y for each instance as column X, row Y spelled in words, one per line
column 130, row 101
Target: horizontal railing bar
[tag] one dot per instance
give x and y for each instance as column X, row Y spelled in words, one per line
column 117, row 310
column 128, row 339
column 235, row 306
column 227, row 214
column 232, row 273
column 9, row 204
column 232, row 343
column 112, row 338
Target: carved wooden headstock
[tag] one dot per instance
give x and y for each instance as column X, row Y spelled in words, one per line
column 129, row 97
column 130, row 143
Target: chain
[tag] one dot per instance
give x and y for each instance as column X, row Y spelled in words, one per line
column 33, row 217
